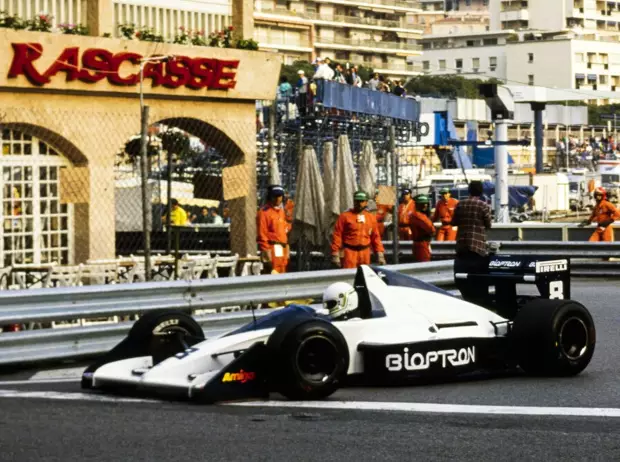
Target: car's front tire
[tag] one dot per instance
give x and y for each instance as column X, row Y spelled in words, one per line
column 310, row 359
column 553, row 337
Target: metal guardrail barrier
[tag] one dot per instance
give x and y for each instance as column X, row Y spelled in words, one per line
column 564, row 249
column 47, row 305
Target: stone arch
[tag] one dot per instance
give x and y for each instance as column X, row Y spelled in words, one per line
column 58, row 142
column 242, row 208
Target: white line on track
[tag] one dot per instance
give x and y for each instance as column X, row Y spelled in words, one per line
column 439, row 408
column 414, row 408
column 54, row 395
column 68, row 373
column 9, row 383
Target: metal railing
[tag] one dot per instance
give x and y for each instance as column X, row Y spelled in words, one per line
column 47, row 305
column 64, row 304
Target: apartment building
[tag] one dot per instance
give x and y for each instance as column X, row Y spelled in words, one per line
column 453, row 14
column 560, row 43
column 474, row 55
column 376, row 33
column 600, row 16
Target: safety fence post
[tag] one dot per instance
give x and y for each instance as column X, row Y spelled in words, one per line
column 146, row 200
column 395, row 184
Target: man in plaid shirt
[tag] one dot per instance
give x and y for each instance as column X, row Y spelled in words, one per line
column 472, row 218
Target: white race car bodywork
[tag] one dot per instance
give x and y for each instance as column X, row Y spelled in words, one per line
column 411, row 315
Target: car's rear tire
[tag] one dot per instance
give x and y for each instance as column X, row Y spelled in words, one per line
column 163, row 334
column 553, row 337
column 310, row 359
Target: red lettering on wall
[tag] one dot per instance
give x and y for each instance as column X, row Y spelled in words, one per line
column 225, row 74
column 95, row 65
column 202, row 73
column 155, row 72
column 95, row 60
column 23, row 56
column 114, row 76
column 68, row 62
column 178, row 72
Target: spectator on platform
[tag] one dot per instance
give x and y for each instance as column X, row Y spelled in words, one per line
column 203, row 218
column 339, row 74
column 285, row 89
column 374, row 83
column 356, row 79
column 178, row 216
column 215, row 218
column 302, row 92
column 226, row 216
column 399, row 90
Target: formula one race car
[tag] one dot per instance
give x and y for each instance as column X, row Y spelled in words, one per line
column 402, row 329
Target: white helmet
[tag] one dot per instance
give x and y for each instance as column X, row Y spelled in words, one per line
column 340, row 298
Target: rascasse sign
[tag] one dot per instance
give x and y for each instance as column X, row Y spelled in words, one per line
column 76, row 64
column 92, row 65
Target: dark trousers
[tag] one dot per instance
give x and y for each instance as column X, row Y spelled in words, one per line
column 472, row 263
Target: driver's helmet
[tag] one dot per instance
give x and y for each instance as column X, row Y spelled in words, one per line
column 340, row 299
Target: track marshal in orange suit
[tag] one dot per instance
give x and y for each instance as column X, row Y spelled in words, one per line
column 355, row 235
column 272, row 232
column 604, row 214
column 444, row 212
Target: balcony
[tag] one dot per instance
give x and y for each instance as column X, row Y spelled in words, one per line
column 515, row 15
column 342, row 20
column 399, row 68
column 382, row 4
column 370, row 45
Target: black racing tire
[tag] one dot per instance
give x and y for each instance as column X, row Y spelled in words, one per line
column 163, row 334
column 309, row 358
column 553, row 337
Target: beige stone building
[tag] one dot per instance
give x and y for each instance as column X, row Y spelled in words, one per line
column 69, row 105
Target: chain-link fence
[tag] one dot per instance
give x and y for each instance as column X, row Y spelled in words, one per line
column 72, row 191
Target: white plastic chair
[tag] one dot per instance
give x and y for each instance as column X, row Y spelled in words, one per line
column 99, row 273
column 227, row 262
column 64, row 276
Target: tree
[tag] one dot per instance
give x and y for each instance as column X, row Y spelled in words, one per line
column 290, row 71
column 446, row 86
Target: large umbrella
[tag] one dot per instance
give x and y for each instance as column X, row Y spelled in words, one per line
column 368, row 172
column 328, row 187
column 310, row 204
column 344, row 178
column 274, row 170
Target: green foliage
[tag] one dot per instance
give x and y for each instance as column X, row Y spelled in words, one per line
column 290, row 71
column 446, row 86
column 594, row 113
column 12, row 22
column 146, row 34
column 73, row 29
column 127, row 30
column 247, row 44
column 40, row 23
column 176, row 142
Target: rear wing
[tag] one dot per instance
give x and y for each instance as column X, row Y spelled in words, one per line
column 550, row 274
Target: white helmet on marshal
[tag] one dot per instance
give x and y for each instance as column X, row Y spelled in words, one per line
column 340, row 299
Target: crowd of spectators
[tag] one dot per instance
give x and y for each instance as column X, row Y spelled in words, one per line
column 306, row 88
column 585, row 153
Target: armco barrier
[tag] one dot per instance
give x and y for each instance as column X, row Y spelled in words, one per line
column 46, row 305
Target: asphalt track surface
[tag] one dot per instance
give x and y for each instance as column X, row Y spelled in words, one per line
column 506, row 417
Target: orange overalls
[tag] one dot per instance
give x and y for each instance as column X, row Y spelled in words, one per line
column 422, row 231
column 604, row 212
column 404, row 211
column 289, row 211
column 354, row 235
column 272, row 236
column 444, row 213
column 382, row 211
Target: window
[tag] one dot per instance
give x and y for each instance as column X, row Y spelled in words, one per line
column 530, row 57
column 426, row 65
column 603, row 79
column 442, row 64
column 492, row 41
column 36, row 227
column 471, row 43
column 530, row 80
column 459, row 64
column 475, row 63
column 493, row 62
